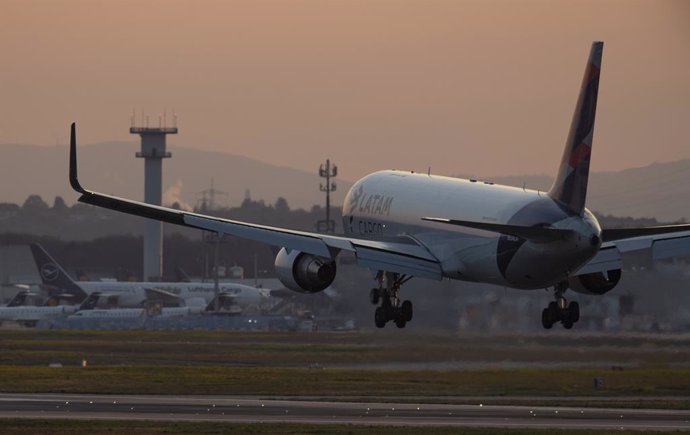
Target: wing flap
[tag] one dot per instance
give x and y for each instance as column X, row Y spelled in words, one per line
column 376, row 260
column 406, row 259
column 610, row 255
column 611, row 235
column 671, row 247
column 608, row 258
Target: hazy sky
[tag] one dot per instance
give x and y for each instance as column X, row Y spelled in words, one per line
column 467, row 87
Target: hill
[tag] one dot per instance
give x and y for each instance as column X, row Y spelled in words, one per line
column 112, row 168
column 658, row 190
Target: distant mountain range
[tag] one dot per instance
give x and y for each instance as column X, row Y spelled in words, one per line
column 660, row 190
column 112, row 168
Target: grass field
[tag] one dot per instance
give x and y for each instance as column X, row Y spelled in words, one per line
column 350, row 365
column 352, row 349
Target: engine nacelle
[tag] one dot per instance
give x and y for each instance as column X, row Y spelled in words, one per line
column 596, row 283
column 304, row 273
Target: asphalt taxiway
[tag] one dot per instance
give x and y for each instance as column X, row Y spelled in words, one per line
column 254, row 409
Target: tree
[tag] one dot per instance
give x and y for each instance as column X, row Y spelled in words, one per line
column 281, row 205
column 34, row 204
column 59, row 204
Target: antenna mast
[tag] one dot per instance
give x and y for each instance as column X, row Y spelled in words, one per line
column 327, row 171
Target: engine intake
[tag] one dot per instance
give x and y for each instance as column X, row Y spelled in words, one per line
column 596, row 283
column 304, row 273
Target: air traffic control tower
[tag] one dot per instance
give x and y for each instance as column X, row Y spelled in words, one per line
column 153, row 152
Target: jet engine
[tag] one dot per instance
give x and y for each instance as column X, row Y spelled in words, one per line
column 304, row 273
column 596, row 283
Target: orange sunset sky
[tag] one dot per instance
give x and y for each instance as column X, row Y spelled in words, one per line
column 477, row 88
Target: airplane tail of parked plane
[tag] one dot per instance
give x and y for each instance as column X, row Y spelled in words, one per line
column 570, row 186
column 57, row 281
column 90, row 302
column 18, row 299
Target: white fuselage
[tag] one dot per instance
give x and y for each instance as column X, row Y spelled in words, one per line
column 23, row 313
column 393, row 203
column 133, row 294
column 117, row 313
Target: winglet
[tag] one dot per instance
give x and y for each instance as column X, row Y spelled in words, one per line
column 73, row 160
column 570, row 186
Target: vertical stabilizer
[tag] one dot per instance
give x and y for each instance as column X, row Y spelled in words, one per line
column 54, row 276
column 570, row 186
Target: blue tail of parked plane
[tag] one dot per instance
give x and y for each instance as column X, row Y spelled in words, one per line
column 54, row 278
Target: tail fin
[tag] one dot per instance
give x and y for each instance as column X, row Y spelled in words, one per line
column 570, row 186
column 90, row 302
column 53, row 276
column 18, row 299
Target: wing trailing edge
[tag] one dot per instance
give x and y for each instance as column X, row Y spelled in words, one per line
column 611, row 235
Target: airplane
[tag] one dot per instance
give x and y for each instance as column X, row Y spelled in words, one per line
column 135, row 313
column 28, row 315
column 136, row 294
column 23, row 297
column 115, row 313
column 88, row 309
column 402, row 225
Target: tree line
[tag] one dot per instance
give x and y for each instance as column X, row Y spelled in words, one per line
column 96, row 242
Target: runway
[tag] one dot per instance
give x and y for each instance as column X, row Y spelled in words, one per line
column 265, row 410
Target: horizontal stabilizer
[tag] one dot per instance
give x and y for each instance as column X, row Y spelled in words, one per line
column 530, row 233
column 628, row 233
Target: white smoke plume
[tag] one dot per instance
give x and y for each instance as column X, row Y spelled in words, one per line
column 173, row 194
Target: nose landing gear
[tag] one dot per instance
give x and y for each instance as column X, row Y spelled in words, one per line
column 388, row 294
column 560, row 310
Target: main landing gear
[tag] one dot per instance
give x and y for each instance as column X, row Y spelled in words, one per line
column 560, row 310
column 387, row 293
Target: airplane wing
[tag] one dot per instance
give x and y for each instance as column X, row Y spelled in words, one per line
column 160, row 294
column 668, row 244
column 402, row 255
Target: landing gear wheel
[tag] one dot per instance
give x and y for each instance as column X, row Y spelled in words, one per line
column 554, row 311
column 387, row 297
column 560, row 310
column 406, row 311
column 546, row 319
column 374, row 296
column 380, row 317
column 574, row 311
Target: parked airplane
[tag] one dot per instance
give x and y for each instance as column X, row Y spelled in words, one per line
column 403, row 225
column 115, row 313
column 21, row 298
column 30, row 315
column 135, row 294
column 88, row 309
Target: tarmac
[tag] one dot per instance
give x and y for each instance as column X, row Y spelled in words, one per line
column 243, row 409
